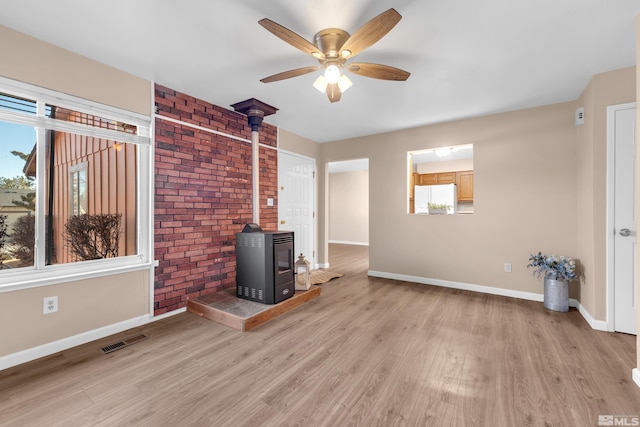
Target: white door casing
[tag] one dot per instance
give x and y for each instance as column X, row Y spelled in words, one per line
column 622, row 212
column 296, row 201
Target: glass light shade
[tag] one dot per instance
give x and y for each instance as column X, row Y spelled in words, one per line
column 332, row 74
column 344, row 83
column 443, row 152
column 321, row 84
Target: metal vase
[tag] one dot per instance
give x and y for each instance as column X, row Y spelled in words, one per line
column 556, row 294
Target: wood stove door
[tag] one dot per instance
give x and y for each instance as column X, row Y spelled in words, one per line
column 283, row 260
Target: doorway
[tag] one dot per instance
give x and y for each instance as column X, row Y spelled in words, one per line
column 621, row 218
column 348, row 199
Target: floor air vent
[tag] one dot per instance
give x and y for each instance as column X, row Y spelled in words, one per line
column 122, row 344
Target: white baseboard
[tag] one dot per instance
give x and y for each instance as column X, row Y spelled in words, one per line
column 459, row 285
column 325, row 265
column 346, row 242
column 599, row 325
column 56, row 346
column 636, row 376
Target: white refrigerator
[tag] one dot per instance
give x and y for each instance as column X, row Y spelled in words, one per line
column 438, row 194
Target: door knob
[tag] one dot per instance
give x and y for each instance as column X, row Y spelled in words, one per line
column 282, row 221
column 625, row 232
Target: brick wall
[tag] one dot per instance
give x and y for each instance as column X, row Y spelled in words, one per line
column 203, row 195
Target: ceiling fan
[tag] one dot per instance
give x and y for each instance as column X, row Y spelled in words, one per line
column 333, row 47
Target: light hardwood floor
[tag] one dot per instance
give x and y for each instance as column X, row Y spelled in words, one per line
column 368, row 352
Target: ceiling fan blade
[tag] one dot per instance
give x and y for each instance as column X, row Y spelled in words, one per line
column 292, row 38
column 371, row 32
column 333, row 92
column 378, row 71
column 289, row 74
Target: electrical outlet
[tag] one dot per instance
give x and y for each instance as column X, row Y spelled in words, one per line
column 507, row 267
column 49, row 305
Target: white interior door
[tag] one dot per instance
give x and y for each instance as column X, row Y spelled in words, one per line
column 296, row 201
column 622, row 130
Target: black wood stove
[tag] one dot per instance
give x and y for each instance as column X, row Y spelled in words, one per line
column 264, row 265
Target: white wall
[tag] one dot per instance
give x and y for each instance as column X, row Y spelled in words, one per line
column 450, row 166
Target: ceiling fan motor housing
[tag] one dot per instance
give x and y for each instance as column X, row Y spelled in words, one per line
column 329, row 41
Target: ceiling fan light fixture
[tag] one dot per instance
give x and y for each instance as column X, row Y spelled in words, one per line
column 332, row 74
column 321, row 84
column 344, row 83
column 333, row 47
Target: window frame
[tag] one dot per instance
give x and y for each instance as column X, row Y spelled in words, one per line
column 41, row 274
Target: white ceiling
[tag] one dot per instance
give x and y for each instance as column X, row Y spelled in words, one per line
column 467, row 58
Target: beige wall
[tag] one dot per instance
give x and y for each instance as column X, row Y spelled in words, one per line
column 82, row 306
column 349, row 207
column 615, row 87
column 525, row 201
column 33, row 61
column 297, row 144
column 87, row 304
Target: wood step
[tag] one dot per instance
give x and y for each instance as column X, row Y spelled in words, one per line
column 241, row 314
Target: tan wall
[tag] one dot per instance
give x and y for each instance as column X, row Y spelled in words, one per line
column 83, row 306
column 30, row 60
column 349, row 207
column 87, row 304
column 615, row 87
column 297, row 144
column 524, row 198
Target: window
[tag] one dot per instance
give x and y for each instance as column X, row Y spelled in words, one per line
column 440, row 180
column 17, row 196
column 78, row 189
column 70, row 186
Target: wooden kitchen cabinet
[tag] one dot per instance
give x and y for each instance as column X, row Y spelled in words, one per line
column 428, row 179
column 446, row 178
column 435, row 178
column 464, row 183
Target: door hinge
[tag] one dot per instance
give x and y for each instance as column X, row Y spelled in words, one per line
column 314, row 174
column 313, row 215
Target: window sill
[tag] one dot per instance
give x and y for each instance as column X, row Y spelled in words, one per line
column 56, row 274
